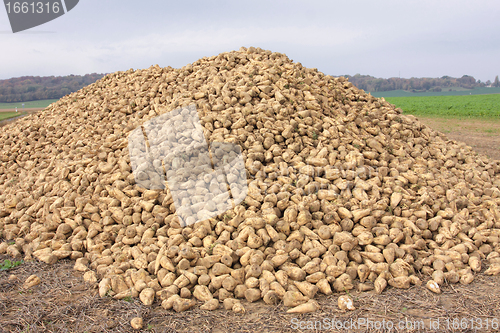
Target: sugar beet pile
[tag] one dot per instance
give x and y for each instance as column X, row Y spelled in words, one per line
column 344, row 191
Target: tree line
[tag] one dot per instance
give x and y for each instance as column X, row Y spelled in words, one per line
column 445, row 83
column 32, row 88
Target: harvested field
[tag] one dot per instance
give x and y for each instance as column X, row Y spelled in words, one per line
column 482, row 135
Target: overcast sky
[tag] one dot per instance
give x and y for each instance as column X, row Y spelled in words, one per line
column 373, row 37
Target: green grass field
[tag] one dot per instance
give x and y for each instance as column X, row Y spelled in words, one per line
column 32, row 104
column 445, row 92
column 475, row 106
column 7, row 115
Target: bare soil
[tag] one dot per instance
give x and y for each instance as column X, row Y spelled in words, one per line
column 482, row 135
column 63, row 302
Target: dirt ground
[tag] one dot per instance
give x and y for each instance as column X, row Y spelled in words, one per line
column 482, row 135
column 63, row 302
